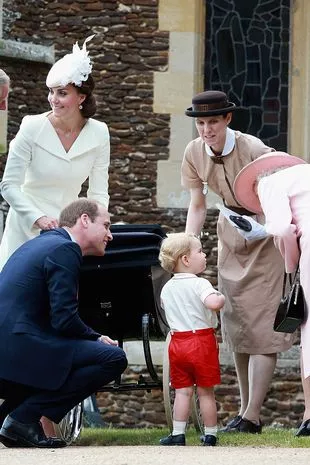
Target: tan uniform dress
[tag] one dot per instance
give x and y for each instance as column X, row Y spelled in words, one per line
column 250, row 272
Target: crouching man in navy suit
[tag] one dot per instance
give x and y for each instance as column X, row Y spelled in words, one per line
column 49, row 359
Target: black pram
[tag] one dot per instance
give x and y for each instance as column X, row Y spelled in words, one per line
column 119, row 293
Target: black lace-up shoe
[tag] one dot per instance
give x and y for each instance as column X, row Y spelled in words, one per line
column 16, row 434
column 247, row 426
column 177, row 440
column 209, row 440
column 232, row 425
column 304, row 429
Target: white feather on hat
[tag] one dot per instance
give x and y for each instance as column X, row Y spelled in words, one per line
column 73, row 68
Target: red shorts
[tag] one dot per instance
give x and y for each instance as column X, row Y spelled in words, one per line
column 194, row 359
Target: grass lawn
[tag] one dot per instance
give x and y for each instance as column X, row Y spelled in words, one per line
column 270, row 437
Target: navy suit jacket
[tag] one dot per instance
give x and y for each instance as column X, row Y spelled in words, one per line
column 39, row 321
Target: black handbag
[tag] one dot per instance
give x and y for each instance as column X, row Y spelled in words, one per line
column 292, row 309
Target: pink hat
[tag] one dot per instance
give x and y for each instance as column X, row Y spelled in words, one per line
column 245, row 181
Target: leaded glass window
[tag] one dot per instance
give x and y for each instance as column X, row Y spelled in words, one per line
column 247, row 56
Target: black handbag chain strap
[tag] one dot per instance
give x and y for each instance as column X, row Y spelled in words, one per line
column 292, row 280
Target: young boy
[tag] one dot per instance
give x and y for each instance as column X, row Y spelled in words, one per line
column 190, row 304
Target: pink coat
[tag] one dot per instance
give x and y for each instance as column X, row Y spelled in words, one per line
column 285, row 200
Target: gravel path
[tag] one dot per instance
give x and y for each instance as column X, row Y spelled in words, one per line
column 155, row 455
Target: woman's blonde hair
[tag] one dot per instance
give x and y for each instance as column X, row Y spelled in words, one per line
column 174, row 246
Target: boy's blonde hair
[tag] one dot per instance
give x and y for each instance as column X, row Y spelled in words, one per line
column 174, row 246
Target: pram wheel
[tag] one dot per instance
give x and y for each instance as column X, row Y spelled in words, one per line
column 168, row 394
column 70, row 426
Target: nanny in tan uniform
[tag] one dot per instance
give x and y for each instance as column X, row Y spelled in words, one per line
column 249, row 272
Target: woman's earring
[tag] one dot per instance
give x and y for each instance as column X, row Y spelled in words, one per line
column 81, row 107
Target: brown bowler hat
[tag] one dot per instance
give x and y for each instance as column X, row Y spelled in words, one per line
column 209, row 103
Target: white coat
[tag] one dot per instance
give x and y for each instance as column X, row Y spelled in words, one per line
column 285, row 200
column 40, row 177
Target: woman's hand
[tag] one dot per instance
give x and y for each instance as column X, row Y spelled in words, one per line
column 46, row 222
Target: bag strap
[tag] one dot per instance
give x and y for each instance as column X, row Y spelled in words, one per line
column 296, row 279
column 284, row 284
column 292, row 280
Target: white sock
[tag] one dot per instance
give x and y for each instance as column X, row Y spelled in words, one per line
column 179, row 427
column 212, row 430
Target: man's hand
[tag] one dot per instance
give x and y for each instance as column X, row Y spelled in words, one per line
column 108, row 340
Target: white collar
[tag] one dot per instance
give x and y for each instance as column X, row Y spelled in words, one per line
column 184, row 275
column 229, row 144
column 71, row 235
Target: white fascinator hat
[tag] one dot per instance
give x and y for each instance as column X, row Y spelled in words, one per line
column 73, row 68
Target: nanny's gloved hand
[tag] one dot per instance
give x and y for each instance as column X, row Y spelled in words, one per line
column 246, row 226
column 257, row 231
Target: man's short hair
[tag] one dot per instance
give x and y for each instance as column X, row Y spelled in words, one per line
column 4, row 78
column 72, row 212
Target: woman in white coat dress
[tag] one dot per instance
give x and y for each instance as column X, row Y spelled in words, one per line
column 278, row 184
column 53, row 153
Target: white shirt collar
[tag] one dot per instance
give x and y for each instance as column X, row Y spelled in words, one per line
column 71, row 236
column 229, row 144
column 184, row 275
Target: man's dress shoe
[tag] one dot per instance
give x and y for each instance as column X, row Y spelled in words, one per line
column 177, row 440
column 232, row 425
column 16, row 434
column 304, row 429
column 247, row 426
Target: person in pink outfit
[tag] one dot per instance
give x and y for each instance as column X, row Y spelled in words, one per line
column 277, row 184
column 190, row 304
